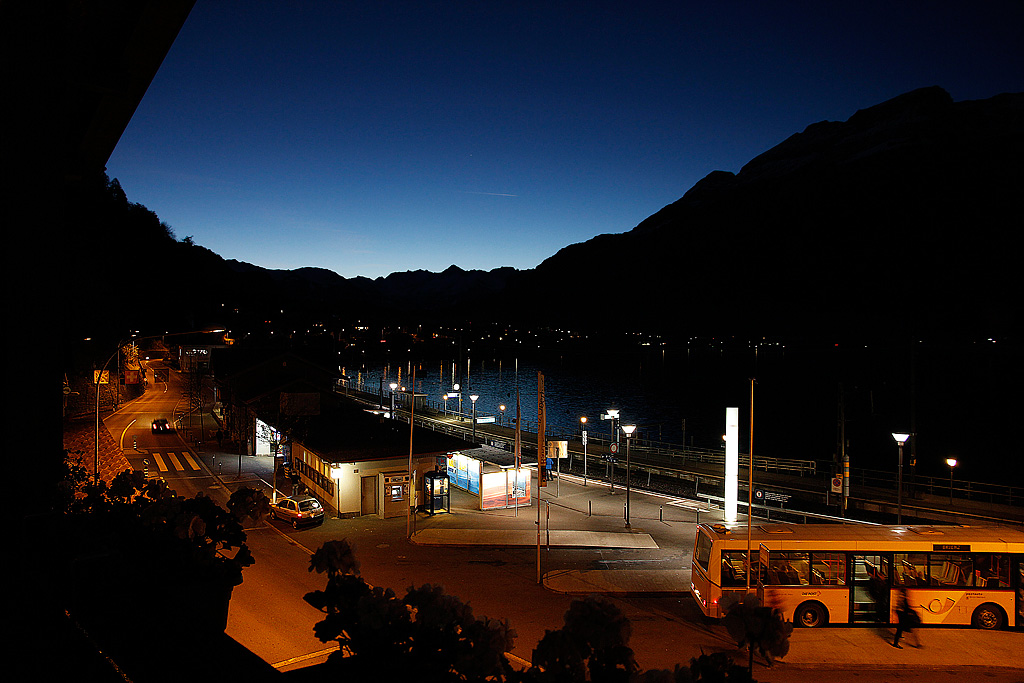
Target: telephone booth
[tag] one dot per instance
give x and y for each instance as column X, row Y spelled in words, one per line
column 436, row 497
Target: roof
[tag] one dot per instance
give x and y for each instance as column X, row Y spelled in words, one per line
column 918, row 538
column 346, row 432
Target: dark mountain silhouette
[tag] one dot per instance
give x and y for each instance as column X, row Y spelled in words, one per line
column 899, row 220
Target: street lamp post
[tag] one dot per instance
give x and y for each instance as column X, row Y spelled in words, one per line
column 952, row 463
column 901, row 438
column 501, row 417
column 583, row 423
column 473, row 398
column 628, row 431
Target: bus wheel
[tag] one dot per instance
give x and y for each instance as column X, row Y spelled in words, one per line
column 988, row 617
column 811, row 615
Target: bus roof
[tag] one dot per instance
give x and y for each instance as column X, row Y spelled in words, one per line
column 905, row 538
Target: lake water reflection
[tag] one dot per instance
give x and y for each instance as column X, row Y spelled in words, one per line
column 946, row 398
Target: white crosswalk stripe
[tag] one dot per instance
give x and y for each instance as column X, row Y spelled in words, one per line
column 170, row 462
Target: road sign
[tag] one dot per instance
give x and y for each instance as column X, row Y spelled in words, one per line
column 837, row 484
column 614, row 448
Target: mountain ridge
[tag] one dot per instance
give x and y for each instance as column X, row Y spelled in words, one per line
column 904, row 204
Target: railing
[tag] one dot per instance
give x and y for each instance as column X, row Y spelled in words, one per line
column 940, row 486
column 652, row 453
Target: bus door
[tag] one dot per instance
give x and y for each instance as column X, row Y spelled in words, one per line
column 1018, row 572
column 870, row 581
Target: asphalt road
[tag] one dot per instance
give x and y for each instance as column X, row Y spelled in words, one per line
column 269, row 616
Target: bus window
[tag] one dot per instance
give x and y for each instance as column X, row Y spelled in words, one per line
column 991, row 571
column 734, row 568
column 702, row 550
column 950, row 570
column 788, row 569
column 911, row 569
column 828, row 569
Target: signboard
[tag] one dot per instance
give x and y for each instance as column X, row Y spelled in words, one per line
column 837, row 484
column 951, row 548
column 558, row 449
column 101, row 377
column 765, row 496
column 584, row 437
column 762, row 556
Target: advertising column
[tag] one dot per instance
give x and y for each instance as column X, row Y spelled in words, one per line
column 732, row 461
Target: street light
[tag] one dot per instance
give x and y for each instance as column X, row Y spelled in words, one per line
column 583, row 424
column 628, row 431
column 393, row 385
column 952, row 463
column 501, row 418
column 473, row 398
column 901, row 438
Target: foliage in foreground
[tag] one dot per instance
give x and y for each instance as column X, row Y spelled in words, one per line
column 428, row 635
column 146, row 519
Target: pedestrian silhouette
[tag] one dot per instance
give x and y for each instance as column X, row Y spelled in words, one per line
column 907, row 619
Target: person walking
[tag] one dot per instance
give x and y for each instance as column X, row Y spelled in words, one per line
column 907, row 619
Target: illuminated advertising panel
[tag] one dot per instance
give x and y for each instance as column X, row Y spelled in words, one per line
column 505, row 488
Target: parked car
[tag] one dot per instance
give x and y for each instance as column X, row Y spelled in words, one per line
column 162, row 426
column 298, row 511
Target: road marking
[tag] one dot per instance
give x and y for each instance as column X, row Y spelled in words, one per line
column 193, row 463
column 160, row 462
column 177, row 463
column 302, row 658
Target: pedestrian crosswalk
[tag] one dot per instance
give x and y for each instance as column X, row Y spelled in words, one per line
column 175, row 462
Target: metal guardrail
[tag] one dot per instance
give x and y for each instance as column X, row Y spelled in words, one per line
column 676, row 456
column 939, row 486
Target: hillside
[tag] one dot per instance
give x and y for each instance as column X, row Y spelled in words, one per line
column 896, row 221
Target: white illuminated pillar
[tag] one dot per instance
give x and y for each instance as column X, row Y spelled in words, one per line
column 732, row 461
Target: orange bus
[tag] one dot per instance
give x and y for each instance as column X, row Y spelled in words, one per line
column 819, row 574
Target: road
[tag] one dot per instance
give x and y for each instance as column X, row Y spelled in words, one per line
column 268, row 615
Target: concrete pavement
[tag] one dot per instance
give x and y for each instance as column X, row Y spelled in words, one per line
column 652, row 559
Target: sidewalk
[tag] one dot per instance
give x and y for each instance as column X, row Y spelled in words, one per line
column 652, row 559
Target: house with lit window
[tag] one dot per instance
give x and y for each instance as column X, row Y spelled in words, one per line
column 354, row 458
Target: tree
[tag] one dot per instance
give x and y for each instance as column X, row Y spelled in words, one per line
column 754, row 625
column 428, row 635
column 594, row 640
column 248, row 503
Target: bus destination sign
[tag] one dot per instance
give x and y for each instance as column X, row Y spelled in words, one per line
column 951, row 548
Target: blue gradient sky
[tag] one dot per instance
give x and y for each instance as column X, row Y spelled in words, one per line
column 375, row 137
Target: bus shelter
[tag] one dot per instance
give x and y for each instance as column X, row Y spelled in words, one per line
column 490, row 474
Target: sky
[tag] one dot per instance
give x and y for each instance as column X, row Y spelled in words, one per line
column 372, row 137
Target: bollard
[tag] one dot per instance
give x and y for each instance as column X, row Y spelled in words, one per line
column 590, row 508
column 661, row 513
